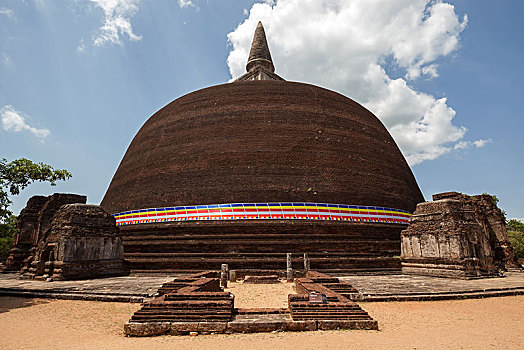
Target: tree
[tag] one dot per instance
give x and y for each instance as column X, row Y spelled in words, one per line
column 14, row 177
column 7, row 235
column 20, row 173
column 516, row 237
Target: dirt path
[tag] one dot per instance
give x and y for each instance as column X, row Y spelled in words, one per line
column 496, row 323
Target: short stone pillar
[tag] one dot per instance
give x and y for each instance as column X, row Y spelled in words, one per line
column 232, row 276
column 306, row 262
column 289, row 269
column 223, row 275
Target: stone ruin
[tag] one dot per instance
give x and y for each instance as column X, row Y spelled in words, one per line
column 61, row 237
column 198, row 303
column 457, row 235
column 32, row 223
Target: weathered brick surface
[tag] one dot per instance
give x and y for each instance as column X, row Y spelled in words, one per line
column 32, row 225
column 188, row 309
column 456, row 236
column 249, row 247
column 214, row 327
column 146, row 329
column 26, row 228
column 339, row 324
column 82, row 241
column 338, row 306
column 183, row 327
column 300, row 326
column 189, row 299
column 255, row 327
column 271, row 279
column 290, row 149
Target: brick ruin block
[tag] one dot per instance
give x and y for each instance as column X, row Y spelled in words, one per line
column 337, row 312
column 193, row 303
column 25, row 236
column 456, row 235
column 183, row 307
column 32, row 222
column 81, row 241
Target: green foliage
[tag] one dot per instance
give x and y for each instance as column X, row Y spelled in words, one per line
column 515, row 225
column 7, row 235
column 516, row 236
column 20, row 173
column 493, row 197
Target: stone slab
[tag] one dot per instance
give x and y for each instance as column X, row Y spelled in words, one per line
column 149, row 329
column 340, row 324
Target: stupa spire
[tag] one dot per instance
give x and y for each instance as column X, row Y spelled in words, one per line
column 259, row 54
column 259, row 64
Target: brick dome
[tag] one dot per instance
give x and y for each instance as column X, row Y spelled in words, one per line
column 246, row 172
column 262, row 141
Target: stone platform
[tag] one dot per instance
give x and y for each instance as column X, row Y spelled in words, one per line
column 136, row 288
column 118, row 289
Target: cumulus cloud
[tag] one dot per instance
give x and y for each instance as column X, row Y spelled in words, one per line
column 117, row 22
column 349, row 46
column 14, row 121
column 185, row 3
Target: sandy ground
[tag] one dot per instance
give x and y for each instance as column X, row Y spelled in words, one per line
column 261, row 295
column 466, row 324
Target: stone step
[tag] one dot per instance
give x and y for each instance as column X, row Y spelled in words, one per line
column 179, row 319
column 184, row 312
column 190, row 304
column 316, row 317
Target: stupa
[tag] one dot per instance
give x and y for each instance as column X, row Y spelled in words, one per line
column 244, row 172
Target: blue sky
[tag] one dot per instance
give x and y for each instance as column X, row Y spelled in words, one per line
column 78, row 78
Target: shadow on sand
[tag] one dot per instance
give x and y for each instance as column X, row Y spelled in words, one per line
column 9, row 303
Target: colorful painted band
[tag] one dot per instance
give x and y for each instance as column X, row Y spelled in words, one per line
column 258, row 211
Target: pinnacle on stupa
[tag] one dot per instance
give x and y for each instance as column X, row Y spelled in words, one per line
column 259, row 54
column 259, row 64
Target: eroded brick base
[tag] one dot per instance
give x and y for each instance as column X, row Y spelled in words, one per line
column 198, row 304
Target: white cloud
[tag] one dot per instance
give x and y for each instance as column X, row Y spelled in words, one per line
column 185, row 3
column 117, row 22
column 7, row 12
column 344, row 46
column 469, row 144
column 14, row 121
column 481, row 143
